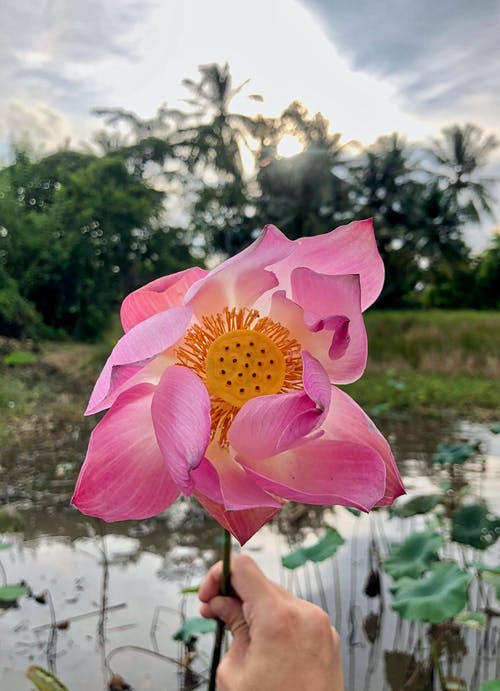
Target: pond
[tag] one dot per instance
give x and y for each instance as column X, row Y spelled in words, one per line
column 115, row 590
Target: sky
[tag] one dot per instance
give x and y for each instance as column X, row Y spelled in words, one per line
column 371, row 66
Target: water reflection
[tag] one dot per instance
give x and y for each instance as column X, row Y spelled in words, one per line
column 140, row 568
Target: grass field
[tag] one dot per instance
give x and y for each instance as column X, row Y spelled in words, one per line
column 436, row 362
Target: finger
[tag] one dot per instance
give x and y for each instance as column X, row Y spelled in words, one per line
column 211, row 585
column 231, row 612
column 248, row 581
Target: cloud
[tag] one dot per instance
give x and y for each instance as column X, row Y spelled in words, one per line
column 443, row 55
column 49, row 54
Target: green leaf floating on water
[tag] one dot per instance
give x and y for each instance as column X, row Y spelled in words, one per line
column 5, row 545
column 493, row 685
column 440, row 595
column 43, row 680
column 454, row 453
column 194, row 627
column 10, row 593
column 474, row 525
column 413, row 556
column 418, row 505
column 495, row 428
column 473, row 620
column 324, row 548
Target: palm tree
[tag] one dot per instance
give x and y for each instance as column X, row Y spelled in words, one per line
column 460, row 155
column 305, row 194
column 217, row 134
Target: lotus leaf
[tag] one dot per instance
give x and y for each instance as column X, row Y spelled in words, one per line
column 321, row 550
column 10, row 593
column 442, row 594
column 454, row 453
column 472, row 620
column 418, row 505
column 413, row 556
column 194, row 627
column 474, row 525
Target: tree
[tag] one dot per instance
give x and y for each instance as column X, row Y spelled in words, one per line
column 488, row 276
column 460, row 155
column 306, row 194
column 79, row 233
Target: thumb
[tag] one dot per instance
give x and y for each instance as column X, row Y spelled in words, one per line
column 230, row 611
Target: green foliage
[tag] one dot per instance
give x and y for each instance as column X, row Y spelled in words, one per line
column 415, row 506
column 5, row 545
column 321, row 550
column 454, row 454
column 10, row 593
column 194, row 627
column 440, row 595
column 414, row 555
column 19, row 358
column 474, row 525
column 78, row 233
column 493, row 685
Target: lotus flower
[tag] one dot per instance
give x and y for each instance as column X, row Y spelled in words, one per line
column 223, row 387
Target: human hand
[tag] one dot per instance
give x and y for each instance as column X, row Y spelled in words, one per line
column 279, row 641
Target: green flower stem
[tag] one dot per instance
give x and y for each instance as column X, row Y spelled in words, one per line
column 225, row 589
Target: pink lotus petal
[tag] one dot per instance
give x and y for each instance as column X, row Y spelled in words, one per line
column 333, row 300
column 237, row 490
column 126, row 376
column 323, row 472
column 145, row 340
column 347, row 421
column 240, row 280
column 241, row 524
column 158, row 296
column 181, row 418
column 332, row 350
column 349, row 249
column 124, row 474
column 267, row 425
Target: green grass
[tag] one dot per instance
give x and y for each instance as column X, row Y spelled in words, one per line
column 423, row 362
column 448, row 342
column 428, row 393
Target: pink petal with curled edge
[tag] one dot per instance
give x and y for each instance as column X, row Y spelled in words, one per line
column 323, row 472
column 347, row 421
column 158, row 296
column 349, row 249
column 124, row 475
column 240, row 280
column 126, row 376
column 325, row 297
column 242, row 523
column 267, row 425
column 181, row 418
column 145, row 340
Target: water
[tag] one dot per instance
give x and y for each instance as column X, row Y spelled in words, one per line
column 139, row 569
